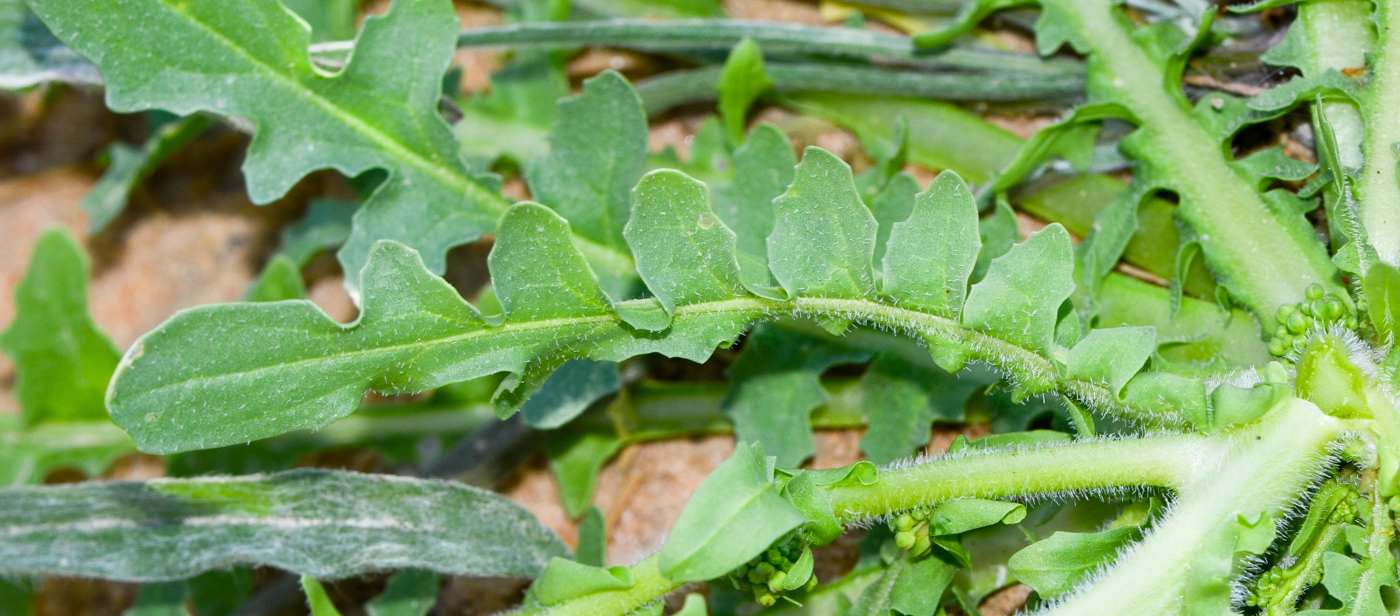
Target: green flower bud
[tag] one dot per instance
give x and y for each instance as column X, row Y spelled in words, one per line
column 1352, row 324
column 1335, row 308
column 765, row 571
column 1297, row 324
column 904, row 539
column 1305, row 309
column 1277, row 348
column 764, row 598
column 775, row 583
column 1315, row 291
column 1284, row 311
column 904, row 522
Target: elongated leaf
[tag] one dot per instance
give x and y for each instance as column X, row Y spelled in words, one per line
column 932, row 254
column 1020, row 297
column 63, row 361
column 160, row 599
column 248, row 58
column 823, row 237
column 316, row 598
column 569, row 391
column 318, row 523
column 286, row 366
column 1112, row 356
column 734, row 515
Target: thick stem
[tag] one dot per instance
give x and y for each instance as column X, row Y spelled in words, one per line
column 1270, row 465
column 1263, row 261
column 1163, row 462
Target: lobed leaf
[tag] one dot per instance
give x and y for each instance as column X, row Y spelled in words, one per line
column 318, row 523
column 931, row 255
column 823, row 235
column 1020, row 297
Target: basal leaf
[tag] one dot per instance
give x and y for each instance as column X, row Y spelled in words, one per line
column 1020, row 297
column 63, row 361
column 740, row 84
column 592, row 539
column 248, row 58
column 684, row 252
column 569, row 391
column 823, row 235
column 932, row 254
column 597, row 150
column 734, row 515
column 317, row 523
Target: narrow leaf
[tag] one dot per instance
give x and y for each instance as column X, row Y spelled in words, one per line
column 316, row 598
column 129, row 166
column 411, row 592
column 318, row 523
column 1056, row 565
column 1111, row 356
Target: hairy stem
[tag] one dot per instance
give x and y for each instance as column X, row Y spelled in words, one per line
column 1164, row 462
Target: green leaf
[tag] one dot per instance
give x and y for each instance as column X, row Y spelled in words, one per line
column 1056, row 565
column 741, row 83
column 902, row 400
column 822, row 205
column 932, row 254
column 569, row 392
column 775, row 384
column 330, row 20
column 576, row 459
column 411, row 592
column 592, row 539
column 160, row 599
column 1021, row 295
column 763, row 170
column 892, row 204
column 63, row 360
column 317, row 523
column 596, row 153
column 1111, row 356
column 129, row 166
column 918, row 591
column 684, row 252
column 538, row 272
column 565, row 579
column 965, row 514
column 734, row 515
column 326, row 225
column 316, row 598
column 15, row 597
column 694, row 606
column 279, row 280
column 248, row 58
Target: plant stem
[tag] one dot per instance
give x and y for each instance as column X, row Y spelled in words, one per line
column 1164, row 462
column 1263, row 261
column 1271, row 464
column 700, row 85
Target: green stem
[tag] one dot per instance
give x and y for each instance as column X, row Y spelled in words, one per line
column 1264, row 262
column 723, row 34
column 1163, row 462
column 700, row 85
column 1378, row 188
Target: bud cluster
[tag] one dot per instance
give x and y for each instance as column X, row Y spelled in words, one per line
column 1320, row 309
column 767, row 574
column 911, row 532
column 1269, row 584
